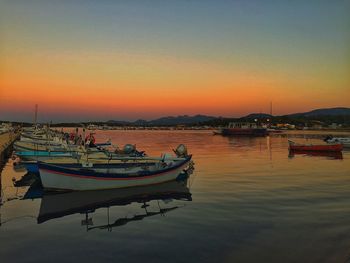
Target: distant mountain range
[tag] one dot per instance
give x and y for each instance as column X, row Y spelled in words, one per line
column 314, row 113
column 200, row 119
column 340, row 115
column 169, row 121
column 324, row 112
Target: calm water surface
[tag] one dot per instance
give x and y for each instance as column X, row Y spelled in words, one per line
column 247, row 201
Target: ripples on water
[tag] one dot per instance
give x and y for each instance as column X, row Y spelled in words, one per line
column 251, row 202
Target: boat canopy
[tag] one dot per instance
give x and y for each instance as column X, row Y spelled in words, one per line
column 243, row 125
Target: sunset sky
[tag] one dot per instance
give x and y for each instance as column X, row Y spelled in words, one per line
column 100, row 60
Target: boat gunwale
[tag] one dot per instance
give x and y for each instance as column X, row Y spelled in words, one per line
column 90, row 174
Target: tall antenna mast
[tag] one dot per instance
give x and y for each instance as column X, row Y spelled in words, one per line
column 271, row 108
column 36, row 114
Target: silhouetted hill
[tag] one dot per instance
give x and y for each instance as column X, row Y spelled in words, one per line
column 166, row 121
column 340, row 111
column 328, row 116
column 339, row 115
column 185, row 119
column 117, row 122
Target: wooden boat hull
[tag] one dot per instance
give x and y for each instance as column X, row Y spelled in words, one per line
column 42, row 155
column 244, row 132
column 217, row 132
column 317, row 148
column 60, row 178
column 26, row 146
column 33, row 167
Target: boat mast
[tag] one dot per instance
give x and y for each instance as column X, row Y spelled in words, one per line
column 36, row 114
column 271, row 108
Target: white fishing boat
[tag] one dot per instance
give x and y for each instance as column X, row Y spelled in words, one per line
column 29, row 146
column 78, row 156
column 345, row 141
column 165, row 168
column 54, row 145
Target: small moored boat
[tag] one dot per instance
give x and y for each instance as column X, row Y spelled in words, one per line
column 164, row 169
column 315, row 147
column 341, row 140
column 243, row 129
column 43, row 155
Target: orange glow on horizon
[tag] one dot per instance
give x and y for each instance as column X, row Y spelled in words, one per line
column 141, row 86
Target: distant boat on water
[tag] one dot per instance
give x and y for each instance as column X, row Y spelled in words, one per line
column 341, row 140
column 293, row 146
column 243, row 129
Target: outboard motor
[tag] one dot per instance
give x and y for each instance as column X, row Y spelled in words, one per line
column 181, row 151
column 129, row 148
column 166, row 156
column 328, row 138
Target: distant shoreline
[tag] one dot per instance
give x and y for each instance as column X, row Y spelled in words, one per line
column 196, row 129
column 327, row 118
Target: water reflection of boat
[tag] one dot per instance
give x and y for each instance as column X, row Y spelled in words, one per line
column 334, row 155
column 59, row 205
column 124, row 220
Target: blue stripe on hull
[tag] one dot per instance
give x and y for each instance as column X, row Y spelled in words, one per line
column 32, row 167
column 86, row 172
column 43, row 153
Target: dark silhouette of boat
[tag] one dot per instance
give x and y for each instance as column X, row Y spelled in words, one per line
column 125, row 220
column 243, row 129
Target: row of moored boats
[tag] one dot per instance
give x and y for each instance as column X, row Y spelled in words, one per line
column 74, row 161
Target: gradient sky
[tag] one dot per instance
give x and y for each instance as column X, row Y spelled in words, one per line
column 103, row 59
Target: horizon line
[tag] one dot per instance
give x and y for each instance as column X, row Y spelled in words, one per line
column 173, row 116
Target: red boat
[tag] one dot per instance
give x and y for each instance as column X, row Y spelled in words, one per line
column 315, row 147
